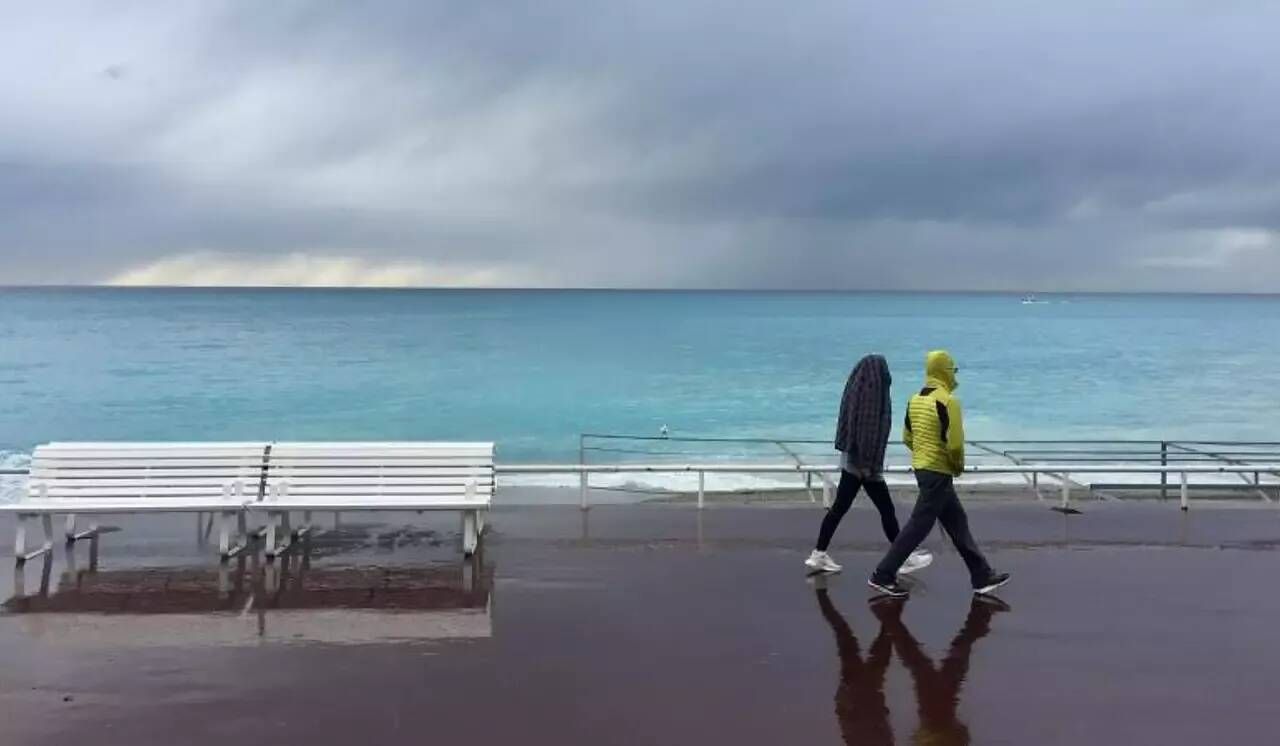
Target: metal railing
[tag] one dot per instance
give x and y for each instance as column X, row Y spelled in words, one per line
column 1063, row 472
column 1051, row 458
column 1164, row 452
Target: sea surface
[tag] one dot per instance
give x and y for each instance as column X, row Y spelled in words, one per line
column 532, row 370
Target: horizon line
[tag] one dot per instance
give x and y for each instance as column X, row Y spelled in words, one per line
column 611, row 289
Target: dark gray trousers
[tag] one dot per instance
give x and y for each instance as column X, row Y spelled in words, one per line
column 938, row 502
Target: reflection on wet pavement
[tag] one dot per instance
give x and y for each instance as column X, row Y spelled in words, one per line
column 861, row 709
column 246, row 600
column 645, row 624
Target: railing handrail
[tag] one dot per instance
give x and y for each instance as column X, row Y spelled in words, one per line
column 1118, row 441
column 793, row 468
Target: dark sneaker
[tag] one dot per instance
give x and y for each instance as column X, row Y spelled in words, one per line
column 891, row 589
column 993, row 582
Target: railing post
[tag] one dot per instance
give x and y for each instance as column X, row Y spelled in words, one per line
column 702, row 488
column 826, row 492
column 1164, row 475
column 1066, row 491
column 1186, row 502
column 582, row 475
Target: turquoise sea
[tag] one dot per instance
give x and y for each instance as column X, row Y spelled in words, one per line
column 534, row 369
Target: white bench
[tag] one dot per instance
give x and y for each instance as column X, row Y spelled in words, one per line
column 406, row 476
column 102, row 478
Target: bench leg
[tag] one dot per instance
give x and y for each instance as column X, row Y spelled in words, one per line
column 470, row 537
column 226, row 549
column 20, row 538
column 20, row 576
column 20, row 552
column 269, row 536
column 73, row 535
column 46, row 522
column 224, row 535
column 284, row 533
column 269, row 541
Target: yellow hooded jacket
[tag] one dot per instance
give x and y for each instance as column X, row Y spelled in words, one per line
column 934, row 428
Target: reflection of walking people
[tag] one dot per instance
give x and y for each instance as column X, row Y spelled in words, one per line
column 938, row 687
column 860, row 704
column 934, row 432
column 862, row 434
column 861, row 708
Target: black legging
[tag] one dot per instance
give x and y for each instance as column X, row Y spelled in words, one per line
column 850, row 483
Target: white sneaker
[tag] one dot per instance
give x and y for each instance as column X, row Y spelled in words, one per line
column 918, row 560
column 821, row 562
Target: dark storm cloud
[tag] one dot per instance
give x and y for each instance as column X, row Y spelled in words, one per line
column 683, row 144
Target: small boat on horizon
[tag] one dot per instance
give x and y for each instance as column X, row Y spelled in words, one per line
column 1032, row 300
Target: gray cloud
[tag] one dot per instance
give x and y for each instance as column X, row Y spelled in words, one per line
column 683, row 144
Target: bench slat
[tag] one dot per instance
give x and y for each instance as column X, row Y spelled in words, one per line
column 373, row 479
column 139, row 492
column 338, row 446
column 124, row 445
column 148, row 474
column 137, row 486
column 381, row 453
column 375, row 491
column 165, row 489
column 119, row 478
column 63, row 454
column 143, row 505
column 348, row 503
column 375, row 467
column 329, row 465
column 175, row 463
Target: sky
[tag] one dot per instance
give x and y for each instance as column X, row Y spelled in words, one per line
column 999, row 145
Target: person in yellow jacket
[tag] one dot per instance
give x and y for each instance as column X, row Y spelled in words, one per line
column 934, row 433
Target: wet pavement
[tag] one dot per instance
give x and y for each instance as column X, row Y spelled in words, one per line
column 1129, row 623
